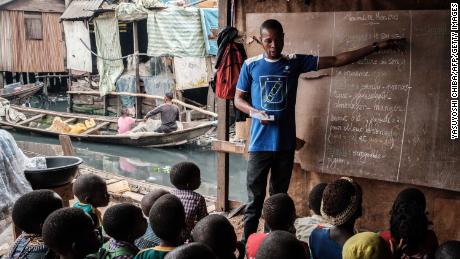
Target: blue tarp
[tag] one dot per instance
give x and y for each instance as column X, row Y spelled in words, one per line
column 210, row 21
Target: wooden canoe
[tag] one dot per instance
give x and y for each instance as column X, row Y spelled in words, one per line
column 105, row 130
column 20, row 93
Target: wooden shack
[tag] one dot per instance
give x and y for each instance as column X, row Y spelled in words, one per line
column 31, row 36
column 412, row 148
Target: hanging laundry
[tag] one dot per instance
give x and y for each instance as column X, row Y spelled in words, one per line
column 191, row 73
column 108, row 47
column 129, row 12
column 78, row 56
column 210, row 24
column 158, row 85
column 127, row 83
column 175, row 31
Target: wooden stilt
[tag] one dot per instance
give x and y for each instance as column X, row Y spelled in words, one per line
column 136, row 60
column 223, row 158
column 2, row 80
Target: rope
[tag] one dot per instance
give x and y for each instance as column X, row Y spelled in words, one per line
column 111, row 59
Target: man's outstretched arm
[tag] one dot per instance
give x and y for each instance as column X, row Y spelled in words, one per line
column 348, row 57
column 242, row 104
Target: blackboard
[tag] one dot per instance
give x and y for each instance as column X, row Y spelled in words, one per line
column 385, row 117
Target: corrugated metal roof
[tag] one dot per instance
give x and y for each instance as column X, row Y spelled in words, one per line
column 81, row 9
column 4, row 2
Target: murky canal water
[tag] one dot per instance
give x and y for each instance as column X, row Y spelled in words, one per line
column 153, row 164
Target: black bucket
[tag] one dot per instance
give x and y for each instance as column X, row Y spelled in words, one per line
column 61, row 170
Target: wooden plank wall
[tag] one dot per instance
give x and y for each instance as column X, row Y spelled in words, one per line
column 45, row 55
column 6, row 58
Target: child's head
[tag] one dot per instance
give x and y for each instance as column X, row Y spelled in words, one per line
column 124, row 111
column 315, row 197
column 31, row 210
column 91, row 189
column 185, row 176
column 409, row 223
column 342, row 202
column 279, row 212
column 124, row 222
column 216, row 232
column 69, row 232
column 167, row 218
column 365, row 245
column 448, row 250
column 149, row 199
column 413, row 196
column 191, row 251
column 281, row 244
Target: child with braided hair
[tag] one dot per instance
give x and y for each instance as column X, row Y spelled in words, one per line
column 341, row 206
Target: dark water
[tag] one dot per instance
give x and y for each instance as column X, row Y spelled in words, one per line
column 153, row 164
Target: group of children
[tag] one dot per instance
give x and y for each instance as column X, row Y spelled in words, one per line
column 176, row 225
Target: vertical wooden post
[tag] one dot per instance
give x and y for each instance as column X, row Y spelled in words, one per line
column 223, row 158
column 105, row 100
column 47, row 84
column 69, row 88
column 66, row 144
column 223, row 164
column 27, row 77
column 2, row 78
column 136, row 61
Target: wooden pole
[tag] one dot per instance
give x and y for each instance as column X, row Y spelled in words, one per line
column 223, row 163
column 66, row 144
column 223, row 158
column 136, row 61
column 46, row 86
column 69, row 88
column 2, row 79
column 105, row 100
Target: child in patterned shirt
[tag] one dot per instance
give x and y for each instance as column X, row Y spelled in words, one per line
column 167, row 218
column 149, row 239
column 185, row 176
column 29, row 213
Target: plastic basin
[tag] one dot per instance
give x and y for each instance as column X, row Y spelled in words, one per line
column 61, row 170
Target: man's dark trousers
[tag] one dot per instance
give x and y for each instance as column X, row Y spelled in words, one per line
column 259, row 165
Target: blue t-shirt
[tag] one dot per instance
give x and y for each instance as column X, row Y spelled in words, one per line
column 273, row 88
column 322, row 247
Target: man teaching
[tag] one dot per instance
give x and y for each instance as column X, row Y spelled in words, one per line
column 271, row 79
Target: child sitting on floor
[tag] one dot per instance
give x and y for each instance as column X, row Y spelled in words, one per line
column 149, row 239
column 69, row 232
column 185, row 176
column 167, row 218
column 304, row 226
column 281, row 244
column 217, row 233
column 341, row 206
column 409, row 223
column 29, row 213
column 124, row 223
column 91, row 192
column 279, row 214
column 192, row 251
column 366, row 245
column 448, row 250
